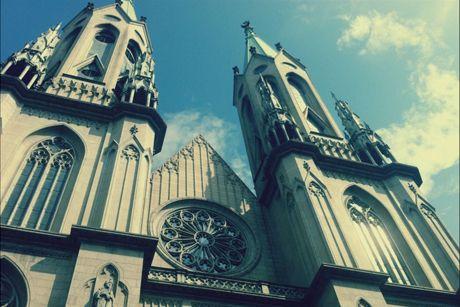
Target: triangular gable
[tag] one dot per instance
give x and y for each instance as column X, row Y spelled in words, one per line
column 198, row 171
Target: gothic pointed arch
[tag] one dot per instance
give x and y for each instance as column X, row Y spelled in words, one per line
column 96, row 62
column 380, row 237
column 130, row 177
column 256, row 150
column 330, row 228
column 42, row 176
column 14, row 285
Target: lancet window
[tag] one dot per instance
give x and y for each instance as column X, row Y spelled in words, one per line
column 378, row 243
column 99, row 54
column 252, row 134
column 132, row 54
column 298, row 95
column 39, row 185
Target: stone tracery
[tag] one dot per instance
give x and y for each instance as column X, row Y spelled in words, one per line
column 203, row 240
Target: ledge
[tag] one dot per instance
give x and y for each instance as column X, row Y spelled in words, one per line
column 85, row 109
column 367, row 170
column 329, row 272
column 71, row 242
column 421, row 294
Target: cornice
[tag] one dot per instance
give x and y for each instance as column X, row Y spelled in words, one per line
column 91, row 111
column 331, row 272
column 78, row 234
column 329, row 163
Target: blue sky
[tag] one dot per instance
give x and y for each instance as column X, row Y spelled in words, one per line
column 395, row 62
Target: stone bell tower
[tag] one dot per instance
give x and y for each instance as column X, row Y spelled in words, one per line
column 79, row 124
column 339, row 209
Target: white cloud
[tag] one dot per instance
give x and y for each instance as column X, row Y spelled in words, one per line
column 380, row 32
column 429, row 135
column 221, row 135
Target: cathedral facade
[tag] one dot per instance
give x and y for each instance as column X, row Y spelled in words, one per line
column 335, row 220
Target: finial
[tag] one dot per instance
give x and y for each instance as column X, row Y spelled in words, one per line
column 247, row 27
column 278, row 46
column 57, row 27
column 236, row 70
column 90, row 6
column 143, row 19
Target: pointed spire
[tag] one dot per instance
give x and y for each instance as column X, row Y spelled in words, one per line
column 255, row 44
column 370, row 146
column 128, row 7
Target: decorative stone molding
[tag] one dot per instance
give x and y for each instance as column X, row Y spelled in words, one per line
column 334, row 147
column 130, row 153
column 69, row 119
column 86, row 91
column 316, row 190
column 218, row 283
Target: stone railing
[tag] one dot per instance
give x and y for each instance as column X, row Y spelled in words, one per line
column 226, row 284
column 334, row 147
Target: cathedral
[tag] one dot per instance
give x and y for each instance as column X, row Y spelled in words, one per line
column 86, row 220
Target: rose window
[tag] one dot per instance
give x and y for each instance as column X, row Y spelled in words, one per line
column 203, row 240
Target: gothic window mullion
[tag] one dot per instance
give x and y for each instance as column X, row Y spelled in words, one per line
column 367, row 247
column 364, row 227
column 22, row 192
column 395, row 257
column 391, row 269
column 64, row 163
column 33, row 203
column 15, row 192
column 48, row 196
column 27, row 193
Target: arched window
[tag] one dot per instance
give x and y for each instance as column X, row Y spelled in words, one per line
column 377, row 242
column 298, row 95
column 257, row 152
column 100, row 53
column 62, row 51
column 39, row 186
column 132, row 53
column 13, row 286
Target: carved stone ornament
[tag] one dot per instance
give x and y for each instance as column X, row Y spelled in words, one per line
column 104, row 297
column 130, row 153
column 316, row 190
column 133, row 130
column 361, row 213
column 203, row 240
column 427, row 211
column 61, row 117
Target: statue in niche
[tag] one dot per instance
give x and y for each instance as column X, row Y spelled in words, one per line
column 104, row 296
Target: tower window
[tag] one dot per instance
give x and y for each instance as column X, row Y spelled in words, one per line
column 105, row 36
column 298, row 95
column 313, row 124
column 35, row 196
column 132, row 54
column 91, row 72
column 377, row 242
